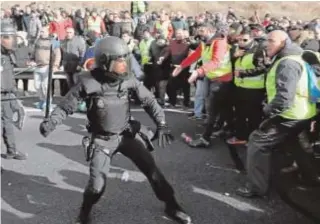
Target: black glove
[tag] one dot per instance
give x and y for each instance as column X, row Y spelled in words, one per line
column 46, row 127
column 20, row 118
column 19, row 113
column 163, row 135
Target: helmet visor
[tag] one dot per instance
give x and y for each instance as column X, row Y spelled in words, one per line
column 120, row 65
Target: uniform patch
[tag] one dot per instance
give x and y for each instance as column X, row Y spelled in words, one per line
column 100, row 103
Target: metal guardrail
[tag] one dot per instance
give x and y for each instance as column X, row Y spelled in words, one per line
column 29, row 74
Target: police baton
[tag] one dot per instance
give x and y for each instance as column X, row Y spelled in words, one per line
column 49, row 88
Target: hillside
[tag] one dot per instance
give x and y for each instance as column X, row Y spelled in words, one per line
column 296, row 10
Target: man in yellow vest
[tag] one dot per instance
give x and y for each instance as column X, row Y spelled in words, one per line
column 249, row 88
column 288, row 111
column 144, row 50
column 138, row 8
column 214, row 53
column 210, row 51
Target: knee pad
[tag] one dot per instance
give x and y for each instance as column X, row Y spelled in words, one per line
column 97, row 190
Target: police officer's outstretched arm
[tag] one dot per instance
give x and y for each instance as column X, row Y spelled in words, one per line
column 67, row 107
column 155, row 111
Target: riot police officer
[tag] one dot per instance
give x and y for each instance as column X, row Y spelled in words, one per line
column 105, row 90
column 9, row 103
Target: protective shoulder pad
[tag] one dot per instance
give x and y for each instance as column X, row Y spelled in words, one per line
column 90, row 84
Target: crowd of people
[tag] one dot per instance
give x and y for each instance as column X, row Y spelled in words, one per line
column 251, row 76
column 159, row 42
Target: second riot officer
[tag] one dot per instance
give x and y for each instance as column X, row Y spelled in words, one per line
column 9, row 103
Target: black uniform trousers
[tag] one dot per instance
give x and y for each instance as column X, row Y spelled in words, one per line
column 7, row 125
column 275, row 134
column 248, row 111
column 219, row 107
column 25, row 84
column 177, row 83
column 134, row 149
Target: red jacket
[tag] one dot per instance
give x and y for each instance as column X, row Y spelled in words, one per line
column 60, row 28
column 265, row 23
column 219, row 49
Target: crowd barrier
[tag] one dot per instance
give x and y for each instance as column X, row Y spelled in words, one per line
column 28, row 74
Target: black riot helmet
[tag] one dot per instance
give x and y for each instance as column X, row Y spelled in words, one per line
column 7, row 31
column 108, row 52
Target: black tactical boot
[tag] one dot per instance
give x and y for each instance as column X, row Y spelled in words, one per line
column 176, row 213
column 89, row 199
column 15, row 155
column 84, row 216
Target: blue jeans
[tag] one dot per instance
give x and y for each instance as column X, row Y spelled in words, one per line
column 201, row 94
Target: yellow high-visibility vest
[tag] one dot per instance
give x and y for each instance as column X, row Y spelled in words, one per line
column 255, row 82
column 302, row 108
column 144, row 47
column 223, row 70
column 138, row 7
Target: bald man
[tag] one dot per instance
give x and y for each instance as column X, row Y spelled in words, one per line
column 288, row 114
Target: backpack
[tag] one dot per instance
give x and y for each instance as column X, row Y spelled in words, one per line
column 312, row 63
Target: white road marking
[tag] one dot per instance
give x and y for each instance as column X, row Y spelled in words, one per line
column 224, row 168
column 235, row 203
column 166, row 110
column 7, row 207
column 30, row 110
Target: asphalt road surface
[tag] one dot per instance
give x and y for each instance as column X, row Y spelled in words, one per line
column 47, row 188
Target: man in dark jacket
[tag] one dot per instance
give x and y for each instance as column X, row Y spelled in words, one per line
column 73, row 49
column 23, row 55
column 176, row 52
column 34, row 28
column 26, row 18
column 141, row 27
column 115, row 25
column 152, row 21
column 288, row 115
column 78, row 22
column 179, row 23
column 160, row 67
column 17, row 14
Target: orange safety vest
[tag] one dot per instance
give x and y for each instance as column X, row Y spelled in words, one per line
column 164, row 27
column 223, row 72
